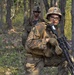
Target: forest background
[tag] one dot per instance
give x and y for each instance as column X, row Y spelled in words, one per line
column 13, row 13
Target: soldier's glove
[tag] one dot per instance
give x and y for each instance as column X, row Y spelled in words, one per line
column 58, row 50
column 53, row 41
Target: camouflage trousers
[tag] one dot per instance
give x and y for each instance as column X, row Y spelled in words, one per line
column 62, row 70
column 34, row 65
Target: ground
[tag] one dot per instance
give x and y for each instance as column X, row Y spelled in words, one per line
column 12, row 54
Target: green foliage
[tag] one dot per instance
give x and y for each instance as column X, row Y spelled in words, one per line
column 68, row 24
column 18, row 20
column 11, row 54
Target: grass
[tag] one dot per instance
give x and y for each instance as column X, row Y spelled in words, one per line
column 11, row 53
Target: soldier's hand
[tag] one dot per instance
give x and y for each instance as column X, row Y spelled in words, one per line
column 58, row 50
column 53, row 41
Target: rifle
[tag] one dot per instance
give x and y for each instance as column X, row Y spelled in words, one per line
column 63, row 45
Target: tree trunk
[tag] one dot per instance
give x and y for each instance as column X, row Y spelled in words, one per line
column 25, row 8
column 53, row 3
column 31, row 5
column 62, row 8
column 42, row 8
column 8, row 15
column 25, row 11
column 1, row 14
column 46, row 5
column 73, row 26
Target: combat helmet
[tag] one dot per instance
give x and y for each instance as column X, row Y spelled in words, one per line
column 36, row 9
column 53, row 10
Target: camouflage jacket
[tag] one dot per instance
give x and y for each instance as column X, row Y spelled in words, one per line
column 28, row 26
column 36, row 42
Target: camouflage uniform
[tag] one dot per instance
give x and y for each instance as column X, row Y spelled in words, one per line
column 62, row 69
column 39, row 52
column 30, row 23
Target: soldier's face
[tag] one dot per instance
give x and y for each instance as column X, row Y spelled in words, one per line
column 36, row 14
column 54, row 19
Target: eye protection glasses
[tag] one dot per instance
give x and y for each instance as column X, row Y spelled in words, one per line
column 57, row 18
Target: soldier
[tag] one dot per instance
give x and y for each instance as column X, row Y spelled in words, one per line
column 42, row 48
column 31, row 22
